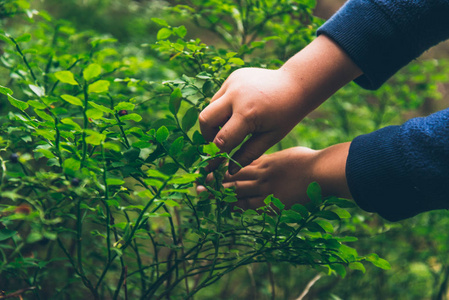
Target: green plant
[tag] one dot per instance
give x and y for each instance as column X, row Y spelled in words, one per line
column 99, row 164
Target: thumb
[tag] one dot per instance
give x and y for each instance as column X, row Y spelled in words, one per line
column 251, row 150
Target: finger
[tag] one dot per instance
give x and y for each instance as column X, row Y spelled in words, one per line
column 213, row 116
column 220, row 93
column 244, row 189
column 251, row 150
column 248, row 173
column 232, row 133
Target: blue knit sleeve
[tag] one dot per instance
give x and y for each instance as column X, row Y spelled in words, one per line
column 400, row 171
column 382, row 36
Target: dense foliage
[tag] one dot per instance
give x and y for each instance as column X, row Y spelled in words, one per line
column 100, row 153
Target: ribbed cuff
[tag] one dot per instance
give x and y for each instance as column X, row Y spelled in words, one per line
column 370, row 38
column 377, row 177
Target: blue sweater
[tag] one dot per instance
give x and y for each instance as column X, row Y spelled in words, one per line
column 398, row 171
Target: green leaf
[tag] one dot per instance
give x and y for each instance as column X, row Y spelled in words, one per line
column 101, row 107
column 124, row 106
column 95, row 138
column 343, row 203
column 160, row 22
column 314, row 193
column 36, row 104
column 133, row 117
column 171, row 203
column 156, row 173
column 325, row 225
column 175, row 101
column 6, row 233
column 339, row 269
column 99, row 86
column 66, row 77
column 230, row 199
column 164, row 33
column 378, row 262
column 114, row 181
column 236, row 61
column 328, row 215
column 176, row 146
column 211, row 149
column 342, row 213
column 17, row 103
column 357, row 266
column 72, row 100
column 301, row 209
column 180, row 31
column 92, row 71
column 162, row 134
column 72, row 164
column 277, row 202
column 189, row 119
column 5, row 90
column 26, row 37
column 94, row 113
column 38, row 90
column 185, row 178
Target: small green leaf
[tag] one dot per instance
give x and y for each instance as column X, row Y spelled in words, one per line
column 343, row 203
column 101, row 107
column 124, row 106
column 95, row 138
column 5, row 90
column 176, row 146
column 38, row 90
column 236, row 61
column 175, row 101
column 277, row 203
column 162, row 134
column 325, row 225
column 339, row 269
column 314, row 193
column 26, row 37
column 180, row 31
column 171, row 203
column 114, row 181
column 6, row 233
column 211, row 149
column 342, row 213
column 72, row 100
column 378, row 262
column 328, row 215
column 72, row 164
column 357, row 266
column 17, row 103
column 133, row 117
column 156, row 173
column 99, row 86
column 94, row 113
column 301, row 209
column 160, row 22
column 230, row 199
column 92, row 71
column 185, row 178
column 189, row 119
column 164, row 33
column 36, row 104
column 66, row 77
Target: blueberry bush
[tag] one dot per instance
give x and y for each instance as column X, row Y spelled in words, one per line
column 100, row 153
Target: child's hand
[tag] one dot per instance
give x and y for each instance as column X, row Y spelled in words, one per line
column 286, row 174
column 268, row 103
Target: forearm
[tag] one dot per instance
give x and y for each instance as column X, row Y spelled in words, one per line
column 318, row 71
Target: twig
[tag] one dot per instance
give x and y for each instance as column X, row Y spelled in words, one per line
column 309, row 286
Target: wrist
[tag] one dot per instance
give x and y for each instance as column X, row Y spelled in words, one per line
column 329, row 170
column 318, row 71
